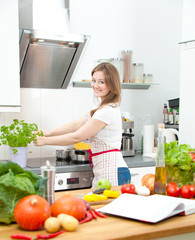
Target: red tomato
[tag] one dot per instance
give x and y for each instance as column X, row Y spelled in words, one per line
column 186, row 192
column 31, row 212
column 128, row 188
column 171, row 183
column 70, row 205
column 173, row 190
column 192, row 153
column 148, row 181
column 192, row 189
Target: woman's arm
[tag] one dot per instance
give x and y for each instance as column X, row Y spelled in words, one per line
column 87, row 130
column 66, row 128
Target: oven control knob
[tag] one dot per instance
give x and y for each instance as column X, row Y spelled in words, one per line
column 60, row 182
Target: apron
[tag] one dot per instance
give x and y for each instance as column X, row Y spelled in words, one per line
column 107, row 163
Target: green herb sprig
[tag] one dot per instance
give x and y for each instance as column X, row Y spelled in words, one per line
column 18, row 134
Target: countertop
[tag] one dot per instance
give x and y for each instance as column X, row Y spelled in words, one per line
column 116, row 227
column 132, row 162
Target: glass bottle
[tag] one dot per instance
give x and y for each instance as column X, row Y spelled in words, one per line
column 165, row 114
column 171, row 116
column 160, row 172
column 177, row 117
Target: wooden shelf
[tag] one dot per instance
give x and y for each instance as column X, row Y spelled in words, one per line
column 124, row 85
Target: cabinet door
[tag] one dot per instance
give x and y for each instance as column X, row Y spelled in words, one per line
column 138, row 173
column 9, row 57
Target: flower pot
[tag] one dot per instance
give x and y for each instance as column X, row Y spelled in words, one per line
column 20, row 157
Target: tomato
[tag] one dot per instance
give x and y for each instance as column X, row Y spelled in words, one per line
column 31, row 212
column 192, row 153
column 171, row 183
column 173, row 190
column 192, row 189
column 70, row 205
column 128, row 188
column 186, row 192
column 148, row 181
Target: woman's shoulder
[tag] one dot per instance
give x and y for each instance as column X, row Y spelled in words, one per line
column 111, row 106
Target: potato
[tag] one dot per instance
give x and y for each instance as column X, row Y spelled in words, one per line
column 52, row 224
column 69, row 223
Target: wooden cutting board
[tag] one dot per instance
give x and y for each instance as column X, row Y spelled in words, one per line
column 108, row 200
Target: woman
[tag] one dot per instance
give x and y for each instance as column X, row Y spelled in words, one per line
column 102, row 126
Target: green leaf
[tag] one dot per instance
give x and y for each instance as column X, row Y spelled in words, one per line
column 16, row 183
column 18, row 134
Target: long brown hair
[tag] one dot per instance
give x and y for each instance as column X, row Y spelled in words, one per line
column 112, row 80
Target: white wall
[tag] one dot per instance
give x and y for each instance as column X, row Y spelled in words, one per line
column 152, row 29
column 187, row 81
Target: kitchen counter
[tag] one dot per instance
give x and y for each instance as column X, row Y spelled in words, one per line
column 132, row 162
column 117, row 228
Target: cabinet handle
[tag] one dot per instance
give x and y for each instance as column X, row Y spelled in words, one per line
column 10, row 105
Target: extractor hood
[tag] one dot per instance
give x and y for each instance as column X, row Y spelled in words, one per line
column 49, row 53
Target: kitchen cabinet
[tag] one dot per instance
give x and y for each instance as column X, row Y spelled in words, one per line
column 9, row 57
column 87, row 84
column 138, row 173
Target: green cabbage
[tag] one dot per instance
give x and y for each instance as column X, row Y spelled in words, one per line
column 16, row 183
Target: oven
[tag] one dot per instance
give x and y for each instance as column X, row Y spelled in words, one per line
column 70, row 174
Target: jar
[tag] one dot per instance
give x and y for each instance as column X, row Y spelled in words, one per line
column 147, row 78
column 127, row 65
column 138, row 69
column 104, row 60
column 118, row 63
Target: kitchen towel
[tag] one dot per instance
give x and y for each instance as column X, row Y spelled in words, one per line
column 148, row 138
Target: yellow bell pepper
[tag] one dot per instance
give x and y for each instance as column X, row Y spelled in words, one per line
column 111, row 193
column 94, row 198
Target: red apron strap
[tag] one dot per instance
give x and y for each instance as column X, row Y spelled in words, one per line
column 98, row 153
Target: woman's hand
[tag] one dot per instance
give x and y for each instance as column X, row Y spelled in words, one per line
column 40, row 141
column 44, row 132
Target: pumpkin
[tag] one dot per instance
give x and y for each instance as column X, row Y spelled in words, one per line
column 70, row 205
column 31, row 212
column 148, row 181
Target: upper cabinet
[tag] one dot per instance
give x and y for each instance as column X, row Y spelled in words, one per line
column 9, row 57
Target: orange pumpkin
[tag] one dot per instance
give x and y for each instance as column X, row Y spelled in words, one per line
column 70, row 205
column 148, row 181
column 31, row 212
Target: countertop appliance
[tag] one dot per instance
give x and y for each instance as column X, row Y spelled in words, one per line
column 127, row 139
column 49, row 53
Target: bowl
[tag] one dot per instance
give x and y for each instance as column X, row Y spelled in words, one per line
column 181, row 174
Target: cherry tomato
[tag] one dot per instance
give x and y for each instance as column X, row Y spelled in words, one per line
column 128, row 188
column 192, row 189
column 186, row 192
column 173, row 190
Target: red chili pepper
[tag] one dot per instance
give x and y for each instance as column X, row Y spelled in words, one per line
column 100, row 214
column 87, row 218
column 93, row 214
column 48, row 236
column 21, row 236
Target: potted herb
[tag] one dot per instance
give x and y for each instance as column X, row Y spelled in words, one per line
column 17, row 136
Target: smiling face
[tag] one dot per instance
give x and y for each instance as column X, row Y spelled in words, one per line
column 98, row 84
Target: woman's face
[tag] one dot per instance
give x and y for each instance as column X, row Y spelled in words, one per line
column 98, row 84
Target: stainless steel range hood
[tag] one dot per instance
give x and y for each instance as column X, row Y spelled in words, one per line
column 48, row 57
